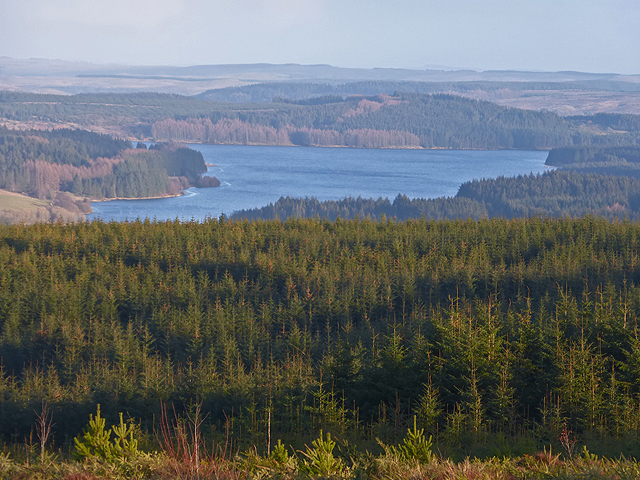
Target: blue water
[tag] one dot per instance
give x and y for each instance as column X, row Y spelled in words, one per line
column 253, row 176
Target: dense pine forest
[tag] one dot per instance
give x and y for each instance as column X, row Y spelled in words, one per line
column 496, row 335
column 412, row 119
column 400, row 121
column 618, row 161
column 556, row 193
column 97, row 109
column 42, row 163
column 581, row 155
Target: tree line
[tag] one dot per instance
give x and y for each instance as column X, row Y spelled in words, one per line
column 383, row 118
column 236, row 132
column 416, row 120
column 41, row 163
column 552, row 194
column 312, row 91
column 576, row 156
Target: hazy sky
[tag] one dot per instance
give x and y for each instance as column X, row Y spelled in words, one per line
column 586, row 35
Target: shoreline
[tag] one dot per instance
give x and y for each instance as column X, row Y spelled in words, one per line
column 156, row 197
column 195, row 142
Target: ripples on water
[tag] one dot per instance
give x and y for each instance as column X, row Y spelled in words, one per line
column 253, row 176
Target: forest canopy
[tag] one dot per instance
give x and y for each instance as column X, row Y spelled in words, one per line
column 489, row 329
column 552, row 194
column 372, row 116
column 41, row 163
column 399, row 121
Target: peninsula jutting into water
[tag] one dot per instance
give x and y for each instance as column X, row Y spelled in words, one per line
column 253, row 176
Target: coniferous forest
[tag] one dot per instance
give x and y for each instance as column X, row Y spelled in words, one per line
column 41, row 163
column 489, row 335
column 488, row 338
column 362, row 115
column 555, row 194
column 404, row 120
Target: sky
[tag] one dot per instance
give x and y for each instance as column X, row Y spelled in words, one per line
column 543, row 35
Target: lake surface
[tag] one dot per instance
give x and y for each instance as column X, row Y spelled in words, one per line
column 254, row 176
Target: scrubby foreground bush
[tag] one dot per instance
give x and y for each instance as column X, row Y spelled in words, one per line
column 183, row 454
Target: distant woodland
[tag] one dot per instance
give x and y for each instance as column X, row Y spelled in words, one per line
column 552, row 194
column 266, row 92
column 404, row 120
column 397, row 120
column 41, row 163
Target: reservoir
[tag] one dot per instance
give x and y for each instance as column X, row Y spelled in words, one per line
column 254, row 176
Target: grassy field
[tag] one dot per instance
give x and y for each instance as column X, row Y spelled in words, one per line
column 20, row 208
column 17, row 208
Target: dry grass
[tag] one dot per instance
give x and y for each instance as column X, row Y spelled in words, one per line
column 18, row 201
column 574, row 103
column 17, row 208
column 161, row 467
column 63, row 85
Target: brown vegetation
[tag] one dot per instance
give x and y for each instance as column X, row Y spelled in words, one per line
column 207, row 181
column 364, row 106
column 46, row 178
column 236, row 132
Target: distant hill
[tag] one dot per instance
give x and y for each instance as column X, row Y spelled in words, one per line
column 555, row 91
column 399, row 121
column 267, row 91
column 288, row 71
column 404, row 119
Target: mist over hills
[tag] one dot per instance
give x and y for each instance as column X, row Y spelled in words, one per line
column 267, row 91
column 291, row 71
column 564, row 92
